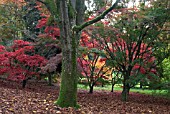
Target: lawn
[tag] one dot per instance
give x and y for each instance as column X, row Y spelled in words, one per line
column 38, row 98
column 118, row 88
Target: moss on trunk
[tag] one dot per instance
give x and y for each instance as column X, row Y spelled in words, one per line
column 70, row 16
column 68, row 88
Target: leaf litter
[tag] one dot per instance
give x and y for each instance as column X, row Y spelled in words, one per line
column 38, row 98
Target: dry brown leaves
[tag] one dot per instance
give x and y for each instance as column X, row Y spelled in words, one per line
column 38, row 98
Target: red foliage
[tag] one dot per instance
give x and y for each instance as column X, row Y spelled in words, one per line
column 18, row 63
column 50, row 31
column 137, row 51
column 2, row 48
column 141, row 69
column 42, row 22
column 93, row 65
column 87, row 41
column 145, row 53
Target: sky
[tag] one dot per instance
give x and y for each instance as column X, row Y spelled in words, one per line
column 130, row 4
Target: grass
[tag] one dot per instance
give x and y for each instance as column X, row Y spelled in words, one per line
column 161, row 93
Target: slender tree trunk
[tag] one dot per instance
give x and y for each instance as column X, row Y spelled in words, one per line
column 49, row 79
column 91, row 89
column 125, row 92
column 102, row 85
column 112, row 88
column 112, row 85
column 24, row 82
column 141, row 85
column 126, row 87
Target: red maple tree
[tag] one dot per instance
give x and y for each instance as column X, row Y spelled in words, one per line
column 19, row 62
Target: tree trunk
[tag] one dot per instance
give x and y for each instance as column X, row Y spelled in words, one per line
column 102, row 85
column 91, row 89
column 126, row 87
column 49, row 79
column 125, row 92
column 112, row 84
column 70, row 15
column 112, row 87
column 141, row 85
column 68, row 88
column 24, row 82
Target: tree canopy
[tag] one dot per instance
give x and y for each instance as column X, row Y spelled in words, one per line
column 99, row 40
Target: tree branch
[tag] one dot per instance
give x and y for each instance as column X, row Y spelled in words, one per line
column 43, row 2
column 98, row 18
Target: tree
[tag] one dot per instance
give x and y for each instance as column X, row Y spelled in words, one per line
column 11, row 22
column 166, row 79
column 132, row 49
column 53, row 65
column 18, row 62
column 91, row 61
column 30, row 18
column 69, row 17
column 116, row 78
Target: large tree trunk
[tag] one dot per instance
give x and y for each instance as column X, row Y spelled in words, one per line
column 68, row 88
column 70, row 15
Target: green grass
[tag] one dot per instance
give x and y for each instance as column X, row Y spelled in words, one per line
column 161, row 93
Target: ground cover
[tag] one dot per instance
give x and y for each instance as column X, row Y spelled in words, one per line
column 38, row 98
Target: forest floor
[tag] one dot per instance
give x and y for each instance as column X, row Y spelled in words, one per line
column 38, row 98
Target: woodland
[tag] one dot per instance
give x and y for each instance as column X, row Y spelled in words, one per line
column 84, row 56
